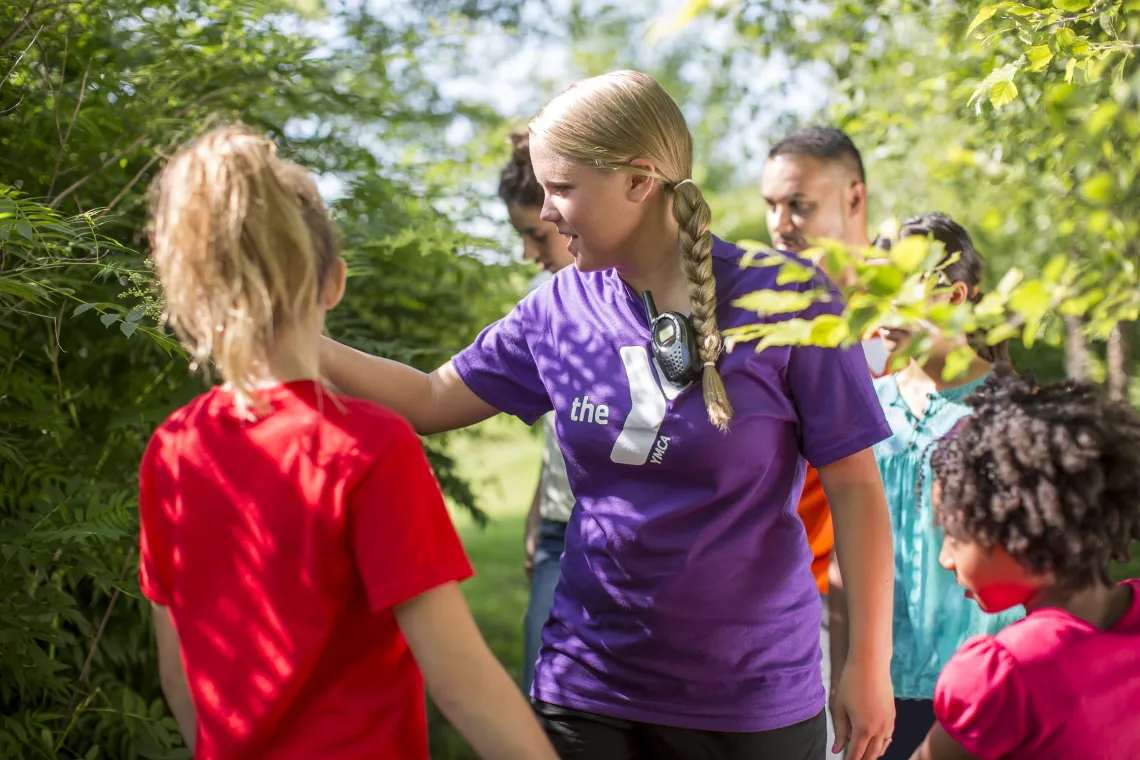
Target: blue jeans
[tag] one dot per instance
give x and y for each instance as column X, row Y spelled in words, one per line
column 547, row 570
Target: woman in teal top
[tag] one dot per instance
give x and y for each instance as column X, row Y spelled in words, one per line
column 932, row 617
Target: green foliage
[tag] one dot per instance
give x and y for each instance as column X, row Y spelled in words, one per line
column 1018, row 121
column 93, row 96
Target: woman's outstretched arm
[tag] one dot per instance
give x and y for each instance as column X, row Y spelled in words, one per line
column 432, row 403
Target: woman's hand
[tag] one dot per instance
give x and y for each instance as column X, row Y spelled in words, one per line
column 863, row 711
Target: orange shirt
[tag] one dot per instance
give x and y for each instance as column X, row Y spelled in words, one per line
column 815, row 513
column 816, row 516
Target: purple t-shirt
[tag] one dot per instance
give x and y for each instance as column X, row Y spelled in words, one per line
column 687, row 597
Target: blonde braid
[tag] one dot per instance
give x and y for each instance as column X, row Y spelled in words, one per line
column 693, row 216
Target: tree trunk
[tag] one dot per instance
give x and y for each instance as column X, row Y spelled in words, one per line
column 1117, row 361
column 1076, row 349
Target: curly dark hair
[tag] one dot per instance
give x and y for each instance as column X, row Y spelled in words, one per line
column 1049, row 473
column 517, row 184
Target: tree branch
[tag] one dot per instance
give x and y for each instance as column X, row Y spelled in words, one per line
column 139, row 141
column 85, row 673
column 84, row 179
column 17, row 63
column 115, row 201
column 67, row 136
column 33, row 10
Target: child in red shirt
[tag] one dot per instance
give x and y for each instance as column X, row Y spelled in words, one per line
column 301, row 562
column 1038, row 491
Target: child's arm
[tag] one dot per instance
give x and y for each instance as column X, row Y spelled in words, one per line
column 939, row 746
column 837, row 629
column 467, row 683
column 863, row 709
column 173, row 675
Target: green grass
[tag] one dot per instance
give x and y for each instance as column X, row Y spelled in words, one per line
column 501, row 461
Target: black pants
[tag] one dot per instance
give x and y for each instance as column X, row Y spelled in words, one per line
column 913, row 720
column 586, row 736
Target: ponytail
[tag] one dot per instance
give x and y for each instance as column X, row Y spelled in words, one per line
column 693, row 216
column 242, row 245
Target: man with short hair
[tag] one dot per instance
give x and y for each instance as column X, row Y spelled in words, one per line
column 815, row 188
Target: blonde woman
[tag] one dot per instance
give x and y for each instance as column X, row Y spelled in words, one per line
column 301, row 563
column 686, row 621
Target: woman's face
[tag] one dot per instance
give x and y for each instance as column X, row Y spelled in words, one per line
column 541, row 242
column 897, row 339
column 592, row 209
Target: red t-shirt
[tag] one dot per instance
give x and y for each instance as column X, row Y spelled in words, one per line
column 1048, row 686
column 281, row 547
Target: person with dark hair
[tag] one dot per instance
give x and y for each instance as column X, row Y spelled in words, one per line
column 815, row 188
column 966, row 267
column 1038, row 491
column 931, row 617
column 545, row 536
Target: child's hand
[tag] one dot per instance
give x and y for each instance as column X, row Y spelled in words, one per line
column 863, row 711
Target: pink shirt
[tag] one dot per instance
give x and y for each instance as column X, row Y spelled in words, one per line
column 1049, row 686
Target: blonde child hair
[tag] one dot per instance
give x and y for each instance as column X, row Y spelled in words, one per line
column 608, row 122
column 243, row 245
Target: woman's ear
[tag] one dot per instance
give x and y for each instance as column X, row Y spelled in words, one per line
column 641, row 183
column 959, row 293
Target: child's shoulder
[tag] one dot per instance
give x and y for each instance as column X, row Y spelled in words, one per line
column 346, row 423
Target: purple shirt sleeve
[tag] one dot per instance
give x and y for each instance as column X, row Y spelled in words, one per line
column 835, row 398
column 500, row 367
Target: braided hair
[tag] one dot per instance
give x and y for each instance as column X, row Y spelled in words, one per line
column 1049, row 473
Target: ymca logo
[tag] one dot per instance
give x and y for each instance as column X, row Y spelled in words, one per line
column 638, row 442
column 587, row 413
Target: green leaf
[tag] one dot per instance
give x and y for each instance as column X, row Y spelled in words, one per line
column 1064, row 38
column 957, row 362
column 128, row 328
column 985, row 14
column 828, row 330
column 1039, row 57
column 1108, row 23
column 25, row 230
column 1098, row 188
column 1070, row 68
column 1002, row 94
column 1102, row 117
column 1029, row 334
column 790, row 273
column 1009, row 281
column 1055, row 268
column 83, row 308
column 109, row 319
column 1004, row 331
column 1071, row 5
column 1031, row 300
column 769, row 302
column 908, row 253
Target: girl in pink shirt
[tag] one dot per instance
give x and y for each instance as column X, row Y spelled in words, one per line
column 1038, row 491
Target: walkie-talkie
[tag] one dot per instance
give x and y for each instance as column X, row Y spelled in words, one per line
column 674, row 343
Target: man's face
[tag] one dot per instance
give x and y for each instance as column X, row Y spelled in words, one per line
column 808, row 198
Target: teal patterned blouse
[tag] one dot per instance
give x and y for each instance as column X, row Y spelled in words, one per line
column 932, row 616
